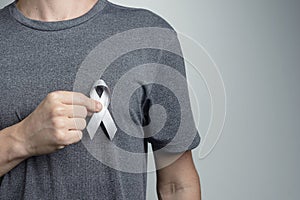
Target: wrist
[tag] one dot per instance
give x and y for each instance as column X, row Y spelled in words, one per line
column 17, row 150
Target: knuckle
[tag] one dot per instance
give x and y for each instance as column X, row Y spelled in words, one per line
column 81, row 124
column 80, row 111
column 58, row 123
column 84, row 111
column 77, row 136
column 53, row 96
column 80, row 134
column 57, row 111
column 59, row 137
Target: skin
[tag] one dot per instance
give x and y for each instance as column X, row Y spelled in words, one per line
column 179, row 180
column 54, row 10
column 59, row 119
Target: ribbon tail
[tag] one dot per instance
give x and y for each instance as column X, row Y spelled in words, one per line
column 109, row 125
column 94, row 123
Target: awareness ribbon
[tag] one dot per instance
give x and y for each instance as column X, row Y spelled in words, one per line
column 104, row 115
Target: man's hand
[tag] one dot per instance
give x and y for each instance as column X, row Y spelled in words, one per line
column 57, row 121
column 178, row 180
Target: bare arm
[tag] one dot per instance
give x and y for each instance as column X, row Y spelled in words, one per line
column 179, row 180
column 12, row 151
column 58, row 121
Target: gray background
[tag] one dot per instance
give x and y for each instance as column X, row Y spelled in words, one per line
column 256, row 46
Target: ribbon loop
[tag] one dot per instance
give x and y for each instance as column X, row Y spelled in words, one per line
column 104, row 115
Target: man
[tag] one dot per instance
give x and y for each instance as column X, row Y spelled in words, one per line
column 43, row 121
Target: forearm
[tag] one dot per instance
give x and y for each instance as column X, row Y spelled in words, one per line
column 173, row 191
column 11, row 149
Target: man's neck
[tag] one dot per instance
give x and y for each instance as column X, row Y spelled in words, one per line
column 54, row 10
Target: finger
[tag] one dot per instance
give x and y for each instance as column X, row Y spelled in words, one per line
column 76, row 98
column 73, row 136
column 90, row 104
column 75, row 123
column 75, row 111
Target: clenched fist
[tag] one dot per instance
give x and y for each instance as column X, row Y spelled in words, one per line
column 58, row 121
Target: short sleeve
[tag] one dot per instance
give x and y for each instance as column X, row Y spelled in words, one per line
column 169, row 123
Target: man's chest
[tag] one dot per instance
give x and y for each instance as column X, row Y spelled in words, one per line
column 29, row 70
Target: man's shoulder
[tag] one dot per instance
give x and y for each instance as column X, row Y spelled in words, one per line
column 4, row 16
column 140, row 15
column 4, row 11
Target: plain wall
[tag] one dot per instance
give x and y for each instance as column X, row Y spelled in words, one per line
column 256, row 46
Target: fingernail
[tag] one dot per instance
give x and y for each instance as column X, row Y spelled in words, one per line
column 98, row 106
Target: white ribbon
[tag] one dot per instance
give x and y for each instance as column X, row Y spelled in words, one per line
column 104, row 115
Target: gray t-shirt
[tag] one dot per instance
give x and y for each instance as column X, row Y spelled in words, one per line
column 39, row 57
